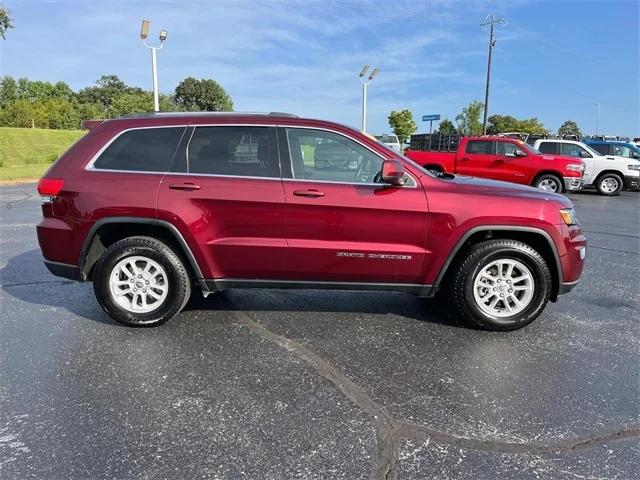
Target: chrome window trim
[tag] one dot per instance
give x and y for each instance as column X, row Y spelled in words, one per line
column 90, row 164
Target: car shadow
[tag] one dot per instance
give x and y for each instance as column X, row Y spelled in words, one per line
column 25, row 278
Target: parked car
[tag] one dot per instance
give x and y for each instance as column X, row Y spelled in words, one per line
column 609, row 174
column 501, row 158
column 150, row 207
column 636, row 141
column 618, row 149
column 390, row 140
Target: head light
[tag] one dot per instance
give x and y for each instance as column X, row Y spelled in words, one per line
column 569, row 216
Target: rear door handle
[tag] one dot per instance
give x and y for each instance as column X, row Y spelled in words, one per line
column 184, row 186
column 464, row 158
column 311, row 193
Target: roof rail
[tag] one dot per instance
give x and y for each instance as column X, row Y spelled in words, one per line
column 203, row 114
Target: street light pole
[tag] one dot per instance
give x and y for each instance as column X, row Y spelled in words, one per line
column 365, row 81
column 144, row 33
column 490, row 21
column 597, row 117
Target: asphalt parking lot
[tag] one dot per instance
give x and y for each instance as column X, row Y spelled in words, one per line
column 320, row 384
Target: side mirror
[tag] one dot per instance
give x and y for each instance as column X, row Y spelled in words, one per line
column 392, row 172
column 635, row 155
column 519, row 153
column 585, row 154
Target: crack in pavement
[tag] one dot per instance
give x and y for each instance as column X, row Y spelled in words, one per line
column 48, row 282
column 390, row 431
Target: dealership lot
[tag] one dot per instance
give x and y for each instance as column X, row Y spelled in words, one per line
column 320, row 384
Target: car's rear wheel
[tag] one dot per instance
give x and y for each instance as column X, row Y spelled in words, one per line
column 502, row 285
column 141, row 282
column 549, row 183
column 609, row 184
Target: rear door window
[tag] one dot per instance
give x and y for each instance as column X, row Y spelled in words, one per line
column 548, row 147
column 141, row 150
column 234, row 151
column 482, row 147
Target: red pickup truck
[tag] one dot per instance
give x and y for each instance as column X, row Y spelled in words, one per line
column 498, row 158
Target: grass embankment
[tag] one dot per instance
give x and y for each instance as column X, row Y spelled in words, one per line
column 25, row 153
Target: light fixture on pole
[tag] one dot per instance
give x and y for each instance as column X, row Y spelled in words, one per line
column 365, row 81
column 491, row 21
column 144, row 33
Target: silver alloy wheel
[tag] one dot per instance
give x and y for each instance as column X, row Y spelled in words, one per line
column 609, row 185
column 548, row 185
column 503, row 288
column 138, row 284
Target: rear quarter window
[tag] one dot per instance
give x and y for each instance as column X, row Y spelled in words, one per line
column 479, row 147
column 141, row 150
column 601, row 148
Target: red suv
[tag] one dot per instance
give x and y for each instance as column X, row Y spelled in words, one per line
column 150, row 206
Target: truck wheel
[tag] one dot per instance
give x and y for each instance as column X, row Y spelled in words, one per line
column 501, row 285
column 609, row 184
column 549, row 183
column 141, row 282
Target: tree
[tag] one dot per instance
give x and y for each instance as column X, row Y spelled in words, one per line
column 8, row 90
column 6, row 22
column 569, row 128
column 507, row 123
column 402, row 124
column 447, row 127
column 107, row 88
column 468, row 121
column 204, row 95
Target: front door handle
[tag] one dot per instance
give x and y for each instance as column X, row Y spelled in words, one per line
column 188, row 186
column 311, row 193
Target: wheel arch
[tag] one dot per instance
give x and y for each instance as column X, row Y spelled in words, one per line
column 537, row 238
column 109, row 230
column 609, row 170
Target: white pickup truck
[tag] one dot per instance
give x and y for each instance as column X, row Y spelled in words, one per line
column 609, row 174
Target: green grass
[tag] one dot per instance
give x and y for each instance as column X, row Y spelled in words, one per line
column 28, row 152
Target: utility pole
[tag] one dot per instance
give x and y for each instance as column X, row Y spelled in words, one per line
column 597, row 117
column 491, row 21
column 365, row 82
column 144, row 33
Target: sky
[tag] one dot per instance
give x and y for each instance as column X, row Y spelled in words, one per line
column 553, row 60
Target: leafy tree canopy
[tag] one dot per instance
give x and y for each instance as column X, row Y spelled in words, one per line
column 447, row 127
column 205, row 95
column 402, row 124
column 6, row 22
column 569, row 128
column 468, row 120
column 507, row 123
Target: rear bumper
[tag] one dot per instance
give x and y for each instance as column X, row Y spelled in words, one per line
column 571, row 184
column 632, row 183
column 64, row 270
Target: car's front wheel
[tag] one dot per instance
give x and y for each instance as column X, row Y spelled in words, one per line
column 609, row 184
column 549, row 183
column 502, row 285
column 141, row 282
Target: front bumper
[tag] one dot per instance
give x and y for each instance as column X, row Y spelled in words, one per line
column 632, row 182
column 571, row 184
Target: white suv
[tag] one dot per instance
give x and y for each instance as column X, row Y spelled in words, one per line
column 609, row 174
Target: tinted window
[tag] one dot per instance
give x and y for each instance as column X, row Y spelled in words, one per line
column 479, row 146
column 572, row 150
column 327, row 156
column 237, row 151
column 142, row 150
column 601, row 148
column 547, row 147
column 507, row 149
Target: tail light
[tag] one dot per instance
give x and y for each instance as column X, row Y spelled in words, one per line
column 49, row 188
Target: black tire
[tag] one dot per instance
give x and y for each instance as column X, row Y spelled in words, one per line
column 606, row 181
column 482, row 255
column 545, row 179
column 178, row 281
